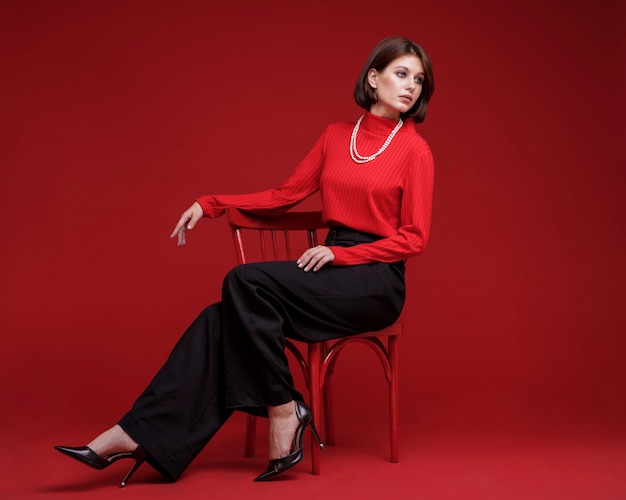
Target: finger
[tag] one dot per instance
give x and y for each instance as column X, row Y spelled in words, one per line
column 193, row 220
column 306, row 257
column 303, row 259
column 324, row 259
column 321, row 263
column 316, row 256
column 182, row 239
column 325, row 256
column 175, row 231
column 179, row 226
column 194, row 213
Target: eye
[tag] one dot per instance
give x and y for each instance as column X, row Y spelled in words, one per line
column 401, row 74
column 419, row 80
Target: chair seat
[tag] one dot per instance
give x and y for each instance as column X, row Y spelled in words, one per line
column 395, row 329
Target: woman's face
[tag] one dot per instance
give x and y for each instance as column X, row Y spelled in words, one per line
column 398, row 86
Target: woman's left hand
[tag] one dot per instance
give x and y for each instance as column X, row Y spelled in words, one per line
column 315, row 258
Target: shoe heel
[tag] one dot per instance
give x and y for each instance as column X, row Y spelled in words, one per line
column 133, row 469
column 317, row 436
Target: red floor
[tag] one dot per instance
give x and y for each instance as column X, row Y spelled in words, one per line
column 434, row 464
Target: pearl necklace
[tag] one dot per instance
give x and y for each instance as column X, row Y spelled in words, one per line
column 364, row 159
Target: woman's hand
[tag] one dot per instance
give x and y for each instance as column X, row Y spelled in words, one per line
column 315, row 258
column 187, row 221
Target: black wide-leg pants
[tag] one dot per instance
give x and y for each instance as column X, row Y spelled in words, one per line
column 232, row 357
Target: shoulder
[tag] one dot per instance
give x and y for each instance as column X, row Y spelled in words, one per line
column 336, row 134
column 340, row 128
column 415, row 141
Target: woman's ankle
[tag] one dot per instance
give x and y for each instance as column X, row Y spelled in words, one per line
column 282, row 427
column 113, row 440
column 282, row 411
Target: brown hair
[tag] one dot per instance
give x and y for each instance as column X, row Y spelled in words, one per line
column 386, row 51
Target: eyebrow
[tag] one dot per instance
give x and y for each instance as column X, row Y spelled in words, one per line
column 407, row 69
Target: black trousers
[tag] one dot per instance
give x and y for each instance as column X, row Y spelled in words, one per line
column 232, row 357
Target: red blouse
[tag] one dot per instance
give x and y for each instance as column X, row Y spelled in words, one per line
column 390, row 196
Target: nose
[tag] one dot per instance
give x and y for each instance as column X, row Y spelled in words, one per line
column 410, row 86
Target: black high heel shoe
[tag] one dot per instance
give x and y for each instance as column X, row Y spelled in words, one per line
column 89, row 457
column 280, row 465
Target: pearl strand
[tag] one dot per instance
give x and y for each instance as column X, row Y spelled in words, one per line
column 364, row 159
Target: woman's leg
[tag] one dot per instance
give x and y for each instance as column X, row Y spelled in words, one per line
column 265, row 303
column 232, row 356
column 183, row 406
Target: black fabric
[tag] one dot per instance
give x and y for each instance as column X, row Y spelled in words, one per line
column 232, row 356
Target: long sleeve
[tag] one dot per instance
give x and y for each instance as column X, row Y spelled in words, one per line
column 302, row 183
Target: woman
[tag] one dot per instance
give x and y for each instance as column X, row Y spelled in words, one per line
column 375, row 178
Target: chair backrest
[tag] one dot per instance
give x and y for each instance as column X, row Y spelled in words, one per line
column 273, row 237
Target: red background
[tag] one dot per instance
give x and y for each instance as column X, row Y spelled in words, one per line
column 116, row 115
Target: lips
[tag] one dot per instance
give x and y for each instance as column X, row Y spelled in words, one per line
column 406, row 98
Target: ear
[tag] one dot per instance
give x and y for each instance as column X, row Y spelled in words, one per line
column 372, row 78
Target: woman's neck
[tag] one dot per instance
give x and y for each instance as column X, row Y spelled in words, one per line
column 385, row 112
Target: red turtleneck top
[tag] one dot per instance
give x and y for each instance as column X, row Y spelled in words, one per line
column 390, row 196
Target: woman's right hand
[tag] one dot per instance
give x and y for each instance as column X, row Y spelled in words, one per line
column 187, row 221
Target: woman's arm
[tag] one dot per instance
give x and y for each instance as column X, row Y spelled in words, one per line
column 302, row 183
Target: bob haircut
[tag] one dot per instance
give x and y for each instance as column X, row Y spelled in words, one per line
column 386, row 51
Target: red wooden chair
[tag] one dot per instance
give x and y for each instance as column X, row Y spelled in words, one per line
column 275, row 237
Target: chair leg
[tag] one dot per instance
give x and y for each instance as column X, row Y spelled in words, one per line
column 250, row 436
column 393, row 396
column 329, row 421
column 314, row 391
column 327, row 396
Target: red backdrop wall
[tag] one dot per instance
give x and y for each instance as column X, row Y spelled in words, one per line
column 115, row 115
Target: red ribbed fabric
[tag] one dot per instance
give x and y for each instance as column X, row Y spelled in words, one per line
column 390, row 196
